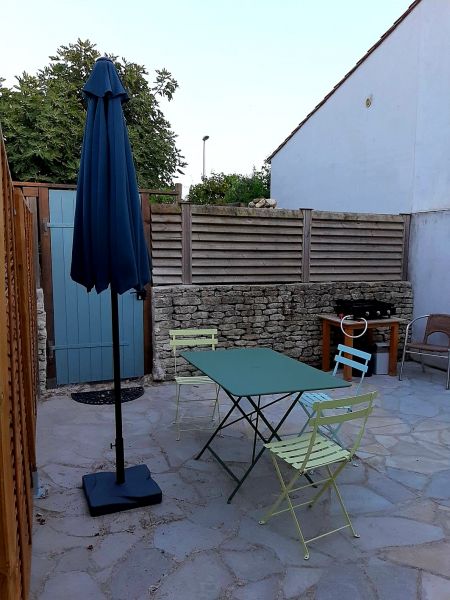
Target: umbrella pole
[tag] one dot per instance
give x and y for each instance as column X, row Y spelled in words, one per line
column 120, row 460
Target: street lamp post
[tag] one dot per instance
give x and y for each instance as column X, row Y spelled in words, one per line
column 205, row 137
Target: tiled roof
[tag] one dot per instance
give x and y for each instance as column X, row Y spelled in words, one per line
column 338, row 85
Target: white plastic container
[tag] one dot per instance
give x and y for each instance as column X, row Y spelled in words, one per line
column 381, row 358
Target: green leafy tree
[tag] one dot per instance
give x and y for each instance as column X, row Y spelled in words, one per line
column 43, row 117
column 232, row 189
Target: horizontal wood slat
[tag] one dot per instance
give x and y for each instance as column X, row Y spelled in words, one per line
column 220, row 244
column 346, row 246
column 257, row 232
column 166, row 244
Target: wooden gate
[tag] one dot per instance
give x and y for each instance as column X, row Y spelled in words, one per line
column 82, row 321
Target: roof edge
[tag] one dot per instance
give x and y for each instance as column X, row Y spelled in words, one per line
column 347, row 75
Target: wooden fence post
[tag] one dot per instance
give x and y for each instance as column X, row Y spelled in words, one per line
column 405, row 254
column 179, row 191
column 186, row 243
column 306, row 245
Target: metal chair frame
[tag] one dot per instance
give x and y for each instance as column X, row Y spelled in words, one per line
column 436, row 323
column 308, row 399
column 189, row 338
column 313, row 450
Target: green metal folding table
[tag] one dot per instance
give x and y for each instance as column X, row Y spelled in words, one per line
column 250, row 373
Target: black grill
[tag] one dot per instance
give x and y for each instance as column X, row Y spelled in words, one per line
column 368, row 309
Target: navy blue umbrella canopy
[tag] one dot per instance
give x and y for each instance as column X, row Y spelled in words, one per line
column 108, row 243
column 109, row 250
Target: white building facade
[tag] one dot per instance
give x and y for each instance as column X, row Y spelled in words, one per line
column 380, row 143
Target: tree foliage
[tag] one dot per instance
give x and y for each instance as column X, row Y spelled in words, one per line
column 232, row 189
column 43, row 117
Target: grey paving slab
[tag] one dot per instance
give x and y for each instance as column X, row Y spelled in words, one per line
column 71, row 586
column 435, row 588
column 265, row 589
column 139, row 573
column 203, row 577
column 197, row 547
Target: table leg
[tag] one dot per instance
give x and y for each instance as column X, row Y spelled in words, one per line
column 393, row 349
column 348, row 341
column 326, row 334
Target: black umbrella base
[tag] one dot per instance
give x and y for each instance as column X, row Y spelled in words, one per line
column 104, row 496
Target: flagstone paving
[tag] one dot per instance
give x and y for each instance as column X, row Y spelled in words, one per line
column 195, row 546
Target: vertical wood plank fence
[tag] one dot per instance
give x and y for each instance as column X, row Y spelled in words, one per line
column 193, row 244
column 18, row 386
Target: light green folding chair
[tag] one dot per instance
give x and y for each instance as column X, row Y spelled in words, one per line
column 312, row 450
column 189, row 338
column 308, row 399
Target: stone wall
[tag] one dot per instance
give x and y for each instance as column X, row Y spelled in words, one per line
column 42, row 340
column 281, row 317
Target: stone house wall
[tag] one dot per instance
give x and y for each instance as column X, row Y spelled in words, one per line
column 282, row 317
column 42, row 339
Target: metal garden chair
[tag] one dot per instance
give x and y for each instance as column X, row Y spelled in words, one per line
column 312, row 450
column 189, row 338
column 437, row 323
column 309, row 399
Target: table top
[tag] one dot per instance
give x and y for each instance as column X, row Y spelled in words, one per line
column 381, row 321
column 260, row 371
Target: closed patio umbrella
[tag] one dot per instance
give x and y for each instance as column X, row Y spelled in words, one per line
column 109, row 250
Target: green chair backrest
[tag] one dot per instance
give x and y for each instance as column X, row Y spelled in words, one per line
column 361, row 406
column 189, row 338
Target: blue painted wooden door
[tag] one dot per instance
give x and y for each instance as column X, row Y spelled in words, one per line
column 83, row 337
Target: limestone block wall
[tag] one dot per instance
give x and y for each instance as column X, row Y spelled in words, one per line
column 282, row 317
column 42, row 340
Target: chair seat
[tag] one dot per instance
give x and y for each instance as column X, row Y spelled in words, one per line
column 427, row 347
column 195, row 380
column 294, row 450
column 311, row 397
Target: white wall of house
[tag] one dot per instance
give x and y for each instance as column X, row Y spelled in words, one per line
column 429, row 264
column 429, row 269
column 393, row 156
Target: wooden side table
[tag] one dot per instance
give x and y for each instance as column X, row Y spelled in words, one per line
column 349, row 326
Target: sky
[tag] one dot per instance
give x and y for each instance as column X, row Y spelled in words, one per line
column 248, row 70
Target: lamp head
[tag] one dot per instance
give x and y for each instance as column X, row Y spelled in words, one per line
column 205, row 137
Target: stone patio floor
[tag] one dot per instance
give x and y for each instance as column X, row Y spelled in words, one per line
column 193, row 546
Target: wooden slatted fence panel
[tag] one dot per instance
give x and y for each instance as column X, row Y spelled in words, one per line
column 18, row 387
column 166, row 251
column 356, row 247
column 242, row 245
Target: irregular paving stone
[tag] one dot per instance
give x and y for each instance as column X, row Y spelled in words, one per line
column 439, row 486
column 413, row 480
column 183, row 538
column 217, row 513
column 298, row 580
column 143, row 568
column 417, row 464
column 434, row 558
column 380, row 532
column 258, row 564
column 113, row 547
column 289, row 551
column 202, row 578
column 393, row 582
column 388, row 488
column 359, row 499
column 76, row 559
column 344, row 581
column 435, row 588
column 261, row 590
column 72, row 586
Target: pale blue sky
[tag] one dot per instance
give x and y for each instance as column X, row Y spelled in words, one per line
column 249, row 70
